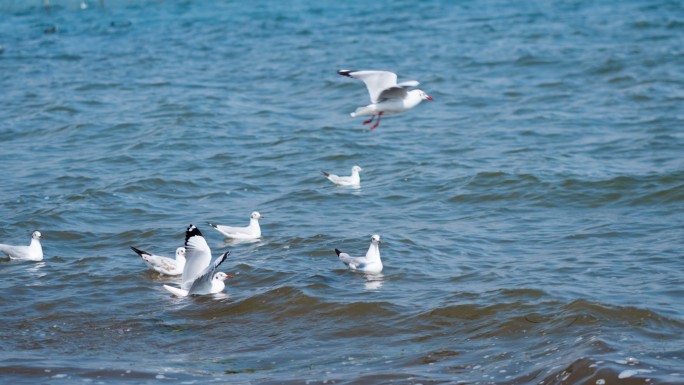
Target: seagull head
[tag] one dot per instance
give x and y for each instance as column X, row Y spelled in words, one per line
column 356, row 169
column 256, row 215
column 375, row 239
column 180, row 252
column 423, row 95
column 37, row 235
column 221, row 276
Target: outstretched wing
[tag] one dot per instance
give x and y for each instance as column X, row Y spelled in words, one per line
column 376, row 81
column 392, row 93
column 197, row 256
column 409, row 83
column 202, row 284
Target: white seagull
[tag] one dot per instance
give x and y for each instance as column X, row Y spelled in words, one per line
column 164, row 265
column 253, row 231
column 387, row 96
column 208, row 283
column 197, row 256
column 371, row 263
column 353, row 180
column 199, row 275
column 32, row 252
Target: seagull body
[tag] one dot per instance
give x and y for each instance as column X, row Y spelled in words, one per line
column 371, row 263
column 253, row 231
column 387, row 96
column 32, row 252
column 208, row 283
column 199, row 275
column 164, row 265
column 353, row 180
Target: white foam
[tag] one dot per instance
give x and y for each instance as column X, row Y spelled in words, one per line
column 632, row 372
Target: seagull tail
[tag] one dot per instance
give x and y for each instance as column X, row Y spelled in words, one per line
column 367, row 110
column 176, row 291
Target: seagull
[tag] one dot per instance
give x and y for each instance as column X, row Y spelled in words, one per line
column 387, row 96
column 353, row 180
column 197, row 256
column 209, row 282
column 32, row 252
column 371, row 263
column 164, row 265
column 253, row 231
column 198, row 275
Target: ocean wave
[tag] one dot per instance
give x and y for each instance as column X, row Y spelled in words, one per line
column 563, row 191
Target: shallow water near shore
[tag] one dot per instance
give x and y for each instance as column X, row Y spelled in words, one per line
column 531, row 216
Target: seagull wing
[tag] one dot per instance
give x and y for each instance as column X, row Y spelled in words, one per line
column 230, row 231
column 348, row 260
column 16, row 252
column 202, row 284
column 376, row 81
column 392, row 93
column 197, row 256
column 163, row 265
column 409, row 83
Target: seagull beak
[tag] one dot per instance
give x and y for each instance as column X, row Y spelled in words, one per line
column 428, row 97
column 229, row 276
column 261, row 217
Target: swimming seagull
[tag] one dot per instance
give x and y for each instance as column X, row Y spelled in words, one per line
column 209, row 282
column 253, row 231
column 387, row 96
column 32, row 252
column 164, row 265
column 198, row 275
column 353, row 180
column 371, row 263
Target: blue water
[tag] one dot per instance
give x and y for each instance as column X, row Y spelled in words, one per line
column 531, row 215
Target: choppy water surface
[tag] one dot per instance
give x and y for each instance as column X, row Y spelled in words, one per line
column 531, row 215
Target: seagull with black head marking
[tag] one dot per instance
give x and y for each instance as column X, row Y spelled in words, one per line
column 199, row 274
column 387, row 96
column 209, row 282
column 32, row 252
